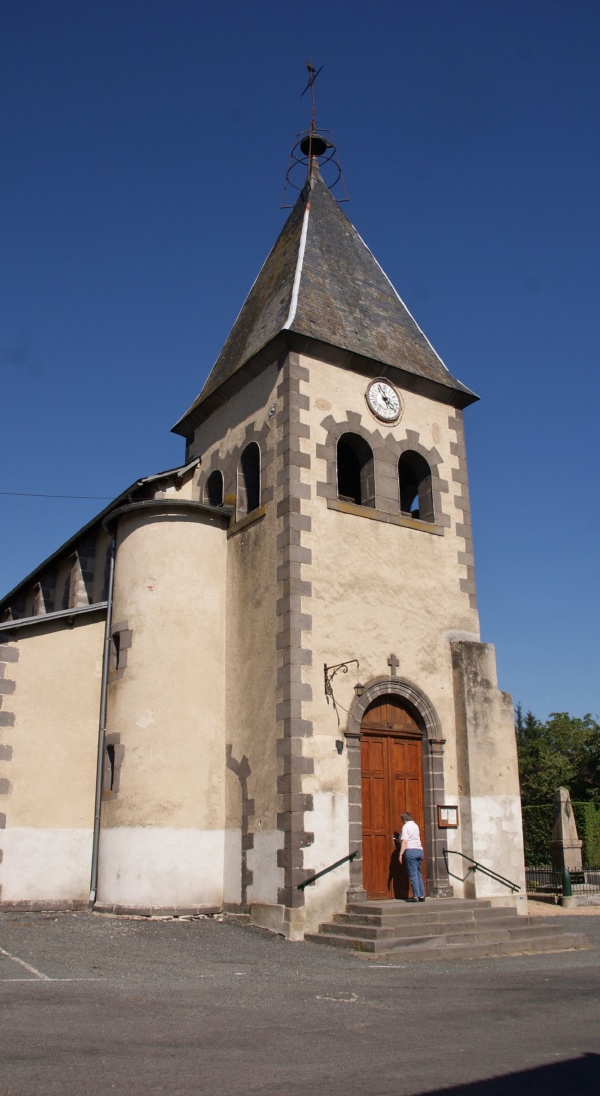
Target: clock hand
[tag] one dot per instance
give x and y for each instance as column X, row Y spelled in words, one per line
column 384, row 396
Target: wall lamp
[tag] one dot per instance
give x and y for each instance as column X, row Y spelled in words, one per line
column 329, row 673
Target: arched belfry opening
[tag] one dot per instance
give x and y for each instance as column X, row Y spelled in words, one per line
column 416, row 493
column 355, row 470
column 213, row 492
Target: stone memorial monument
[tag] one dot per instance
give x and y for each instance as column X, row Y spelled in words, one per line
column 565, row 846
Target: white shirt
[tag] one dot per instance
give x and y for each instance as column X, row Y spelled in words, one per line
column 410, row 834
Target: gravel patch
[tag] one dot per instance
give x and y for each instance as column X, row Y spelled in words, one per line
column 536, row 908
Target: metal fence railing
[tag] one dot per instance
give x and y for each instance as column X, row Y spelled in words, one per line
column 548, row 882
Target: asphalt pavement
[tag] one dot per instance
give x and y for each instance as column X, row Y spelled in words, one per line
column 93, row 1004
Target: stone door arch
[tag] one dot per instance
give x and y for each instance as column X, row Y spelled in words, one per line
column 424, row 713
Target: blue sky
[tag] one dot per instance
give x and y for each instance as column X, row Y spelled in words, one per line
column 145, row 146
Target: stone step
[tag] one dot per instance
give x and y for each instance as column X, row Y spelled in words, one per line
column 556, row 941
column 428, row 928
column 495, row 935
column 534, row 927
column 355, row 943
column 428, row 915
column 399, row 905
column 366, row 939
column 453, row 928
column 376, row 932
column 437, row 948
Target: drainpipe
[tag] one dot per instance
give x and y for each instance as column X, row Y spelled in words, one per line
column 102, row 722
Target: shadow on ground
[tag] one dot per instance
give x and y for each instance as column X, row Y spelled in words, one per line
column 575, row 1076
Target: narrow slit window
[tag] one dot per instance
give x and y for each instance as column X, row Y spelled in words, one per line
column 116, row 642
column 249, row 499
column 109, row 769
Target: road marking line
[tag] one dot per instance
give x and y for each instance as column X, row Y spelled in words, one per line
column 342, row 1000
column 32, row 981
column 22, row 963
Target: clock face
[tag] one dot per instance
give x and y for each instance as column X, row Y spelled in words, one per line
column 383, row 400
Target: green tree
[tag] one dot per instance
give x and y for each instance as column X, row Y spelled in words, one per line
column 562, row 751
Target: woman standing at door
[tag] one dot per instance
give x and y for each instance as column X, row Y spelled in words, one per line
column 412, row 849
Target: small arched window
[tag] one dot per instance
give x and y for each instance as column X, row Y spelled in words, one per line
column 213, row 491
column 355, row 472
column 249, row 479
column 416, row 494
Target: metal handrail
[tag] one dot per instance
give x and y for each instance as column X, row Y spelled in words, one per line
column 309, row 882
column 476, row 866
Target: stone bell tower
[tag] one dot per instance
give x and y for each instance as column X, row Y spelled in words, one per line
column 335, row 431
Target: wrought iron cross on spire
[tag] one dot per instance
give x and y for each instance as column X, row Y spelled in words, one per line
column 312, row 76
column 314, row 150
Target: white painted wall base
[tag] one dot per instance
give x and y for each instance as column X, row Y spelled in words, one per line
column 147, row 866
column 327, row 895
column 232, row 871
column 262, row 861
column 326, row 898
column 515, row 901
column 294, row 925
column 46, row 865
column 492, row 835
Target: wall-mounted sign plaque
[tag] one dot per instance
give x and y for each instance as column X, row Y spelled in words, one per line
column 447, row 818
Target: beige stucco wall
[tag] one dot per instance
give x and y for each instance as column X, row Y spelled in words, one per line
column 225, row 433
column 183, row 486
column 251, row 684
column 489, row 797
column 251, row 626
column 49, row 809
column 162, row 840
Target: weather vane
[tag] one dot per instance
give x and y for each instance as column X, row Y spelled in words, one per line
column 312, row 76
column 312, row 146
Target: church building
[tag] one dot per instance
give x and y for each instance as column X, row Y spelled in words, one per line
column 245, row 669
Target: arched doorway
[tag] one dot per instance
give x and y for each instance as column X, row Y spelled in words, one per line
column 391, row 748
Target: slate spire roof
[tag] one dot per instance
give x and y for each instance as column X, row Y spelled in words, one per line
column 321, row 280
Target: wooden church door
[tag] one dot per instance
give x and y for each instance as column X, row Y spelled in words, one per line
column 392, row 782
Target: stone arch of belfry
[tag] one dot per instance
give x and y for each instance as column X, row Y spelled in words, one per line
column 433, row 780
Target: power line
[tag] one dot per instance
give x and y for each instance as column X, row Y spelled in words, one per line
column 38, row 495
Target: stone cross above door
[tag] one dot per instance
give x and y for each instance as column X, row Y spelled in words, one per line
column 393, row 664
